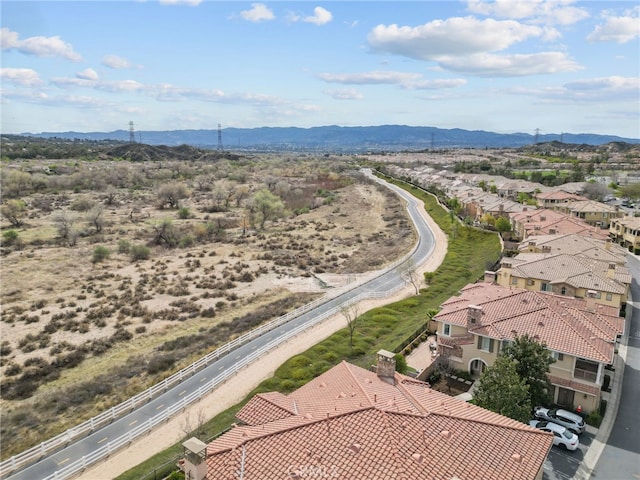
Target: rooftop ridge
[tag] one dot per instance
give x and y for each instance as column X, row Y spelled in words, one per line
column 353, row 376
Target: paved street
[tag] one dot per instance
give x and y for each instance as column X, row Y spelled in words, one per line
column 620, row 459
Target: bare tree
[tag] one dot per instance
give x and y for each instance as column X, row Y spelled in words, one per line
column 190, row 424
column 350, row 313
column 165, row 232
column 171, row 193
column 409, row 273
column 95, row 218
column 14, row 211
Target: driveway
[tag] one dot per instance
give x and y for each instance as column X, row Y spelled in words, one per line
column 562, row 464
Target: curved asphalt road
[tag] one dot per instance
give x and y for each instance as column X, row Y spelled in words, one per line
column 385, row 282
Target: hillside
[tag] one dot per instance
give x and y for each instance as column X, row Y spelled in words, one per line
column 339, row 139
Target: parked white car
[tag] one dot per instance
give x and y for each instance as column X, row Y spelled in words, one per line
column 569, row 420
column 561, row 436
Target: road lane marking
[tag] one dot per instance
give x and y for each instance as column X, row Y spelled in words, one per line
column 64, row 461
column 182, row 393
column 103, row 440
column 220, row 368
column 203, row 379
column 159, row 406
column 134, row 422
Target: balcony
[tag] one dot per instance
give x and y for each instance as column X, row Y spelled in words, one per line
column 588, row 375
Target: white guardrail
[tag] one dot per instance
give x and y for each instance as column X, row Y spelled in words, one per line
column 41, row 450
column 62, row 440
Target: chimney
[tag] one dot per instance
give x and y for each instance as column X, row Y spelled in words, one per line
column 474, row 316
column 607, row 244
column 591, row 300
column 194, row 462
column 546, row 249
column 386, row 367
column 490, row 277
column 611, row 271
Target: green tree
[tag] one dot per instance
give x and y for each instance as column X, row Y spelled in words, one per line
column 268, row 206
column 503, row 225
column 401, row 363
column 532, row 364
column 631, row 191
column 14, row 211
column 501, row 390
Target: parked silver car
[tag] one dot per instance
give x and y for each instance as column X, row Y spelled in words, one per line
column 569, row 420
column 561, row 436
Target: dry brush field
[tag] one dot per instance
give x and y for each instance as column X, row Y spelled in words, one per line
column 115, row 274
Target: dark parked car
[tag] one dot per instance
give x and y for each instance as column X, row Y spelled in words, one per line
column 569, row 420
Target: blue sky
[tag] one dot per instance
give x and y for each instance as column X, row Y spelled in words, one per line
column 503, row 66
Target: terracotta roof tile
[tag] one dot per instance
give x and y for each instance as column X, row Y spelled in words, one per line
column 564, row 324
column 377, row 430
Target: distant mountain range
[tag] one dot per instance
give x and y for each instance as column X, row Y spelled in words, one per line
column 339, row 139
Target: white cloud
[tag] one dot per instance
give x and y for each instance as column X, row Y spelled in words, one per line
column 454, row 36
column 403, row 79
column 489, row 65
column 192, row 3
column 344, row 94
column 617, row 29
column 613, row 88
column 116, row 62
column 437, row 84
column 259, row 12
column 24, row 77
column 598, row 88
column 549, row 12
column 88, row 74
column 320, row 16
column 38, row 46
column 369, row 78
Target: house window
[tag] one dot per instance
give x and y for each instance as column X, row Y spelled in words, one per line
column 446, row 329
column 557, row 356
column 609, row 296
column 598, row 295
column 563, row 291
column 530, row 282
column 545, row 287
column 514, row 281
column 504, row 344
column 485, row 344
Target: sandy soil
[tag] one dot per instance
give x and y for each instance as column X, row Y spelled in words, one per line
column 239, row 386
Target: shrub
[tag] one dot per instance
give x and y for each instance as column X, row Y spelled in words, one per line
column 124, row 246
column 10, row 237
column 140, row 252
column 594, row 418
column 184, row 213
column 100, row 254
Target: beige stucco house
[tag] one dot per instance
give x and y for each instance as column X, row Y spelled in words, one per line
column 473, row 327
column 626, row 232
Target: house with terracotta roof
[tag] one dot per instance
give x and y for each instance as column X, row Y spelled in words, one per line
column 572, row 244
column 552, row 199
column 589, row 211
column 550, row 222
column 626, row 232
column 353, row 423
column 605, row 283
column 474, row 326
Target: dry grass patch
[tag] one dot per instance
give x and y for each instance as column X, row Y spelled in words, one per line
column 69, row 315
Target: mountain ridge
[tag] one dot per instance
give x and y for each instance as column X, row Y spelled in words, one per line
column 338, row 138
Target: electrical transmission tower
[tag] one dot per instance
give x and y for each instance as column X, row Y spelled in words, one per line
column 132, row 134
column 219, row 137
column 537, row 137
